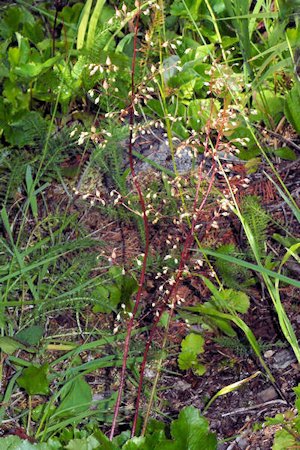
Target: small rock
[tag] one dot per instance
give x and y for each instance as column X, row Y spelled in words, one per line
column 283, row 359
column 242, row 443
column 222, row 446
column 181, row 385
column 268, row 394
column 149, row 373
column 269, row 354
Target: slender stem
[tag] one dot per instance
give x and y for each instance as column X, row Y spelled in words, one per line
column 146, row 228
column 29, row 414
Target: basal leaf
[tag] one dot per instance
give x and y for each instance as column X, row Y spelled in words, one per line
column 191, row 347
column 193, row 343
column 186, row 360
column 77, row 398
column 34, row 380
column 31, row 335
column 284, row 441
column 15, row 443
column 187, row 9
column 235, row 300
column 89, row 443
column 191, row 431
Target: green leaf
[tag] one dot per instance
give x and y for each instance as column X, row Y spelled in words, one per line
column 186, row 360
column 15, row 443
column 292, row 107
column 89, row 443
column 9, row 345
column 178, row 8
column 232, row 300
column 120, row 289
column 286, row 153
column 193, row 343
column 191, row 431
column 284, row 441
column 76, row 398
column 31, row 335
column 34, row 380
column 191, row 347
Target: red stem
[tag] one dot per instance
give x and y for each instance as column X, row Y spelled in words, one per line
column 146, row 228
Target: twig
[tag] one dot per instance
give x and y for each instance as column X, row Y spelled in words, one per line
column 258, row 406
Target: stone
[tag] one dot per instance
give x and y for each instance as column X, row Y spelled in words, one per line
column 268, row 394
column 269, row 354
column 283, row 359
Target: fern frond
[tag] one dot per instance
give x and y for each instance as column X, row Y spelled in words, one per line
column 233, row 275
column 257, row 220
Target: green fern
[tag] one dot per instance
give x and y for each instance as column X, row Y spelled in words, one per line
column 110, row 159
column 233, row 275
column 257, row 219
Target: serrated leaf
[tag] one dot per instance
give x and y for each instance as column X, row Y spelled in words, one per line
column 199, row 370
column 89, row 443
column 34, row 380
column 186, row 360
column 191, row 347
column 284, row 441
column 15, row 443
column 235, row 301
column 193, row 343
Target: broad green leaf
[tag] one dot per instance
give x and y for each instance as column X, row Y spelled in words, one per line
column 234, row 301
column 267, row 102
column 286, row 153
column 76, row 398
column 178, row 8
column 191, row 431
column 191, row 347
column 136, row 443
column 193, row 343
column 284, row 441
column 152, row 441
column 15, row 443
column 31, row 335
column 106, row 444
column 89, row 443
column 108, row 296
column 186, row 360
column 34, row 380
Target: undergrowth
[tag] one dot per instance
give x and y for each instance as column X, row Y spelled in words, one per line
column 143, row 156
